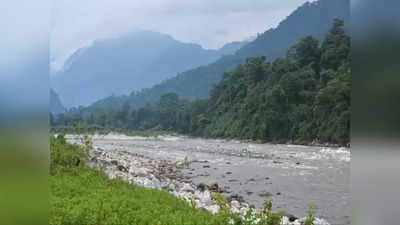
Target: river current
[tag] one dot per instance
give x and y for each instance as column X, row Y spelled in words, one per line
column 293, row 176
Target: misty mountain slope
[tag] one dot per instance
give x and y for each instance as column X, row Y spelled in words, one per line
column 56, row 106
column 309, row 19
column 313, row 19
column 131, row 62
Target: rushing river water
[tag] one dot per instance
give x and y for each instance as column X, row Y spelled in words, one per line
column 294, row 176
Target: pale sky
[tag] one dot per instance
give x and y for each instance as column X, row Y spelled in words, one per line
column 210, row 23
column 24, row 27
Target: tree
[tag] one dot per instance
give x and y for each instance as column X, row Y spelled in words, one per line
column 169, row 106
column 335, row 49
column 306, row 52
column 255, row 70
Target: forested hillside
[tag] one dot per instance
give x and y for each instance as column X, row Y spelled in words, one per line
column 303, row 97
column 312, row 19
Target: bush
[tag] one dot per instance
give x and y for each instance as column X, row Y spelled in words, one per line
column 66, row 156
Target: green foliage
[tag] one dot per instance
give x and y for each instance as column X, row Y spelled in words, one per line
column 310, row 216
column 184, row 164
column 65, row 157
column 169, row 106
column 84, row 196
column 335, row 48
column 268, row 217
column 302, row 98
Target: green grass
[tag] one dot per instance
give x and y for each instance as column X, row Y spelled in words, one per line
column 88, row 197
column 84, row 196
column 310, row 216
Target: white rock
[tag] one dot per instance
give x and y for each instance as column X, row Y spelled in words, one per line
column 212, row 208
column 285, row 221
column 171, row 186
column 235, row 204
column 243, row 211
column 317, row 221
column 140, row 172
column 187, row 188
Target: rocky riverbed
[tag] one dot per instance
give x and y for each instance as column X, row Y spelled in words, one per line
column 163, row 175
column 245, row 173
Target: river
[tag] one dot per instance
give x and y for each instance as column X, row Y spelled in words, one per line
column 293, row 176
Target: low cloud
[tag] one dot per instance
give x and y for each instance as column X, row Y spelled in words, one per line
column 209, row 23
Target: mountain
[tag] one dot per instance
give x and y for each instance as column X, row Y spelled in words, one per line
column 313, row 19
column 232, row 47
column 56, row 106
column 301, row 98
column 131, row 62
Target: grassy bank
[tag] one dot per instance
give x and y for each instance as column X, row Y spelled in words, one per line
column 84, row 196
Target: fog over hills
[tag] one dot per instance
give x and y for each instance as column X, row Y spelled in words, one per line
column 311, row 18
column 131, row 62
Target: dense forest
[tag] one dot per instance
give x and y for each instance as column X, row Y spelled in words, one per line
column 303, row 97
column 311, row 18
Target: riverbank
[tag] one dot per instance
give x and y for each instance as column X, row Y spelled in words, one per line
column 120, row 152
column 81, row 196
column 94, row 130
column 98, row 187
column 161, row 175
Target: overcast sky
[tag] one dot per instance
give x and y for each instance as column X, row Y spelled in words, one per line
column 24, row 27
column 210, row 23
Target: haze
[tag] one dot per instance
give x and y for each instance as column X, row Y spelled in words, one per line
column 210, row 23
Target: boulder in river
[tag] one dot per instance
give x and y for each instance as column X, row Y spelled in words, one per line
column 235, row 197
column 251, row 180
column 201, row 187
column 209, row 185
column 225, row 189
column 122, row 168
column 291, row 217
column 212, row 185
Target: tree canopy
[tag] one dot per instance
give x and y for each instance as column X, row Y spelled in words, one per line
column 303, row 97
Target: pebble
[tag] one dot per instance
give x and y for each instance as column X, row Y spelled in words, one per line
column 160, row 174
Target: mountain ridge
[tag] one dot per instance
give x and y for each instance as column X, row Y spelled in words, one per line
column 311, row 18
column 126, row 63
